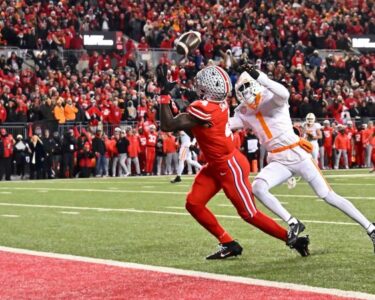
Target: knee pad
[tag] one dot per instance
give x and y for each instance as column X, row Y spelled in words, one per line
column 259, row 186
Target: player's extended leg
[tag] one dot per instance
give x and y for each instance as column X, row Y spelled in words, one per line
column 203, row 189
column 312, row 174
column 237, row 188
column 272, row 175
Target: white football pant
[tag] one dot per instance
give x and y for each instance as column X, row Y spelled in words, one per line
column 276, row 173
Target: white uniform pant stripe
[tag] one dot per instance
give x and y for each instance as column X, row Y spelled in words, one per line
column 238, row 187
column 249, row 198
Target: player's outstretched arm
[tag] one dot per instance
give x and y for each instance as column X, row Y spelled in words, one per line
column 182, row 121
column 236, row 123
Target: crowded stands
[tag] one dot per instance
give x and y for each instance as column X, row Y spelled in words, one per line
column 102, row 98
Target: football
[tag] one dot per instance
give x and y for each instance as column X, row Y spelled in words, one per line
column 188, row 42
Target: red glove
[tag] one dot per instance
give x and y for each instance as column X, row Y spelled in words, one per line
column 164, row 99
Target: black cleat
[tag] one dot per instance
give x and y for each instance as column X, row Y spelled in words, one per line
column 372, row 237
column 302, row 246
column 293, row 232
column 177, row 179
column 226, row 250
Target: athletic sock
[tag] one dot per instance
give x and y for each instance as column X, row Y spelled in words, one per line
column 371, row 228
column 292, row 220
column 269, row 226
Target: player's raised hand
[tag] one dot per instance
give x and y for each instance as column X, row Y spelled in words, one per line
column 166, row 87
column 253, row 72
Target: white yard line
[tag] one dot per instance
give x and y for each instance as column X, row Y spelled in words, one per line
column 92, row 190
column 10, row 216
column 158, row 212
column 5, row 193
column 70, row 212
column 176, row 207
column 159, row 192
column 190, row 273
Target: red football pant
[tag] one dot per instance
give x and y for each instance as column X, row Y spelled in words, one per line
column 142, row 160
column 232, row 177
column 328, row 155
column 150, row 158
column 359, row 154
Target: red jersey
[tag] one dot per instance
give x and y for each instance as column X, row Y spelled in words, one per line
column 328, row 136
column 350, row 132
column 151, row 139
column 358, row 138
column 142, row 142
column 216, row 141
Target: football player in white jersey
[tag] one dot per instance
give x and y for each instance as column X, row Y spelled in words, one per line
column 264, row 108
column 185, row 155
column 312, row 132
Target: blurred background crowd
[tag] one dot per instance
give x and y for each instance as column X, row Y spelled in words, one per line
column 47, row 75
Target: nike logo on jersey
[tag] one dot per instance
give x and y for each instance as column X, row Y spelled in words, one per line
column 222, row 174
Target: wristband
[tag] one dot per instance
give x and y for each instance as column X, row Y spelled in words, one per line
column 165, row 99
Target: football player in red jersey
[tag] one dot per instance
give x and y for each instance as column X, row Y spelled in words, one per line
column 226, row 167
column 328, row 144
column 350, row 131
column 151, row 139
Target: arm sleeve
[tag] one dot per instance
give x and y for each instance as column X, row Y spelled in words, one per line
column 280, row 91
column 236, row 123
column 199, row 111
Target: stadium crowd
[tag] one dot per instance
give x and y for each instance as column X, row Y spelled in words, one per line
column 283, row 38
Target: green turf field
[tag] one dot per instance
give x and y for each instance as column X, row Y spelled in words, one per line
column 143, row 220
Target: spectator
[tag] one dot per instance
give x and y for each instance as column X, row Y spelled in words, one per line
column 70, row 111
column 170, row 146
column 46, row 110
column 133, row 151
column 123, row 150
column 160, row 155
column 37, row 157
column 341, row 146
column 59, row 112
column 6, row 152
column 86, row 158
column 115, row 153
column 98, row 147
column 68, row 148
column 21, row 151
column 48, row 146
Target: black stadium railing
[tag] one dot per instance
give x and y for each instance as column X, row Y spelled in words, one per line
column 25, row 128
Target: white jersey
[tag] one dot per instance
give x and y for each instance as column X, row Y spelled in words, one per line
column 270, row 121
column 311, row 130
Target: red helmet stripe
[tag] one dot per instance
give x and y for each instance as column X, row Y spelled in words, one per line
column 225, row 77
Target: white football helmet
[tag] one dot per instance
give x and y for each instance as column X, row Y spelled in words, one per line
column 310, row 119
column 247, row 88
column 213, row 83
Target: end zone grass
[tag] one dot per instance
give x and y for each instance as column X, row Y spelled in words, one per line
column 143, row 220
